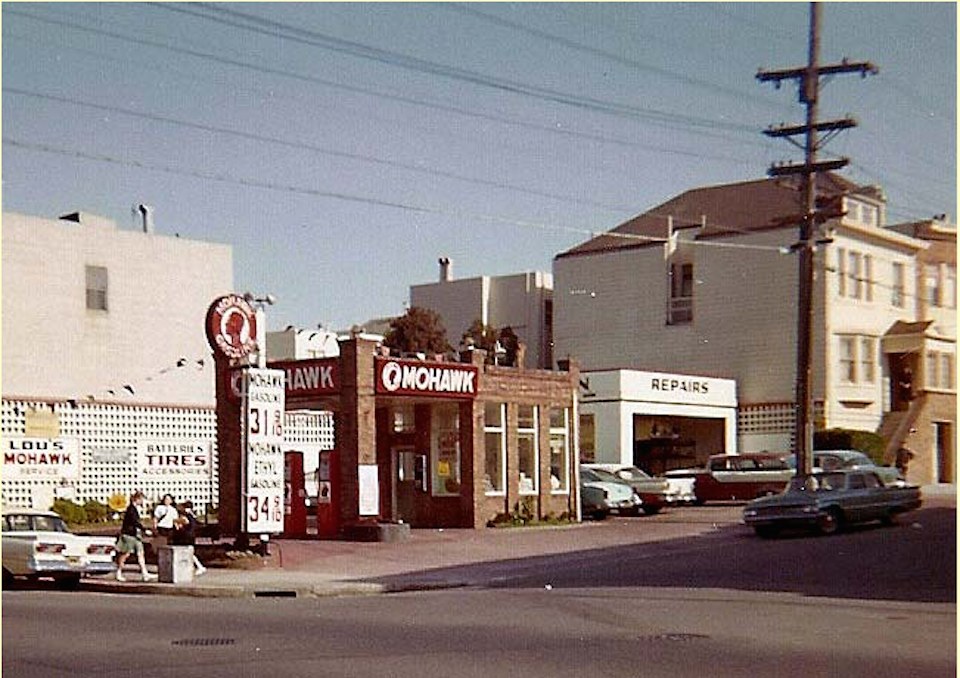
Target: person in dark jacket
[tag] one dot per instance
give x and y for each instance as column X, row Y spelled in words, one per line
column 186, row 533
column 131, row 538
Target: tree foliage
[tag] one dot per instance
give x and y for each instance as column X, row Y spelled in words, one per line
column 483, row 336
column 868, row 442
column 419, row 330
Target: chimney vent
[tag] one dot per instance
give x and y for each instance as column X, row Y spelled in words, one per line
column 146, row 217
column 446, row 269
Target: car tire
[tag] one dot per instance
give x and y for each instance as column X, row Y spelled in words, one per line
column 766, row 531
column 652, row 510
column 830, row 522
column 71, row 583
column 7, row 579
column 889, row 519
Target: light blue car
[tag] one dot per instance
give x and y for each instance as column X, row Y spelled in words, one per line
column 618, row 496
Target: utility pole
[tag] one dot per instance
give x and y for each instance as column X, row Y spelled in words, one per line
column 809, row 85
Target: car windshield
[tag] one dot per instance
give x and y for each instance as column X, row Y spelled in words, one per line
column 816, row 482
column 632, row 473
column 18, row 522
column 589, row 475
column 606, row 475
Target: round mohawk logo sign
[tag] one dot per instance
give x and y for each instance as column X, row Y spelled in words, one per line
column 232, row 326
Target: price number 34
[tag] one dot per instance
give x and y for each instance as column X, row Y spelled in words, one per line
column 267, row 509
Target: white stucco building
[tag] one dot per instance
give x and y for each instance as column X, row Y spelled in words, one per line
column 523, row 302
column 705, row 285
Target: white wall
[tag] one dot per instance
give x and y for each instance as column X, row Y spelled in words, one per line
column 159, row 290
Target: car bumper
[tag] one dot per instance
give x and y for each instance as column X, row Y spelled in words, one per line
column 798, row 517
column 631, row 504
column 99, row 568
column 52, row 567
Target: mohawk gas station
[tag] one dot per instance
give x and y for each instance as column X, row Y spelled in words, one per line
column 419, row 443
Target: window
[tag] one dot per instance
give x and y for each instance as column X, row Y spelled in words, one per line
column 852, row 208
column 950, row 288
column 931, row 275
column 588, row 445
column 868, row 215
column 445, row 446
column 857, row 359
column 899, row 280
column 559, row 450
column 848, row 363
column 403, row 419
column 495, row 443
column 528, row 449
column 855, row 273
column 868, row 358
column 681, row 294
column 868, row 277
column 946, row 371
column 841, row 272
column 939, row 370
column 96, row 288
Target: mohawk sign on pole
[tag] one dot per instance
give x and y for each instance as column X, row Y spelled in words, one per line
column 232, row 326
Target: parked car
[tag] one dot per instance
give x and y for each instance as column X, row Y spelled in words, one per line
column 829, row 500
column 834, row 460
column 618, row 496
column 653, row 492
column 738, row 476
column 37, row 544
column 593, row 502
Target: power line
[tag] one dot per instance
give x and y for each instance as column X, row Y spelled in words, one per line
column 301, row 145
column 235, row 63
column 277, row 29
column 424, row 209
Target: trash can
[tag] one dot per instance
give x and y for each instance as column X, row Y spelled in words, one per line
column 175, row 564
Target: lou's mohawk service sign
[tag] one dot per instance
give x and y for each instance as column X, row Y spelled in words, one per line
column 232, row 326
column 40, row 458
column 414, row 377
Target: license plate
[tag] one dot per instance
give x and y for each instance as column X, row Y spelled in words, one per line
column 73, row 560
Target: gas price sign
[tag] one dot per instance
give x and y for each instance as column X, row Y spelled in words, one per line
column 263, row 411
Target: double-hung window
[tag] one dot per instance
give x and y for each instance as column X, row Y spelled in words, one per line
column 528, row 448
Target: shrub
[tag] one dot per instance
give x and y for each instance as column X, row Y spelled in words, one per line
column 870, row 443
column 70, row 511
column 96, row 512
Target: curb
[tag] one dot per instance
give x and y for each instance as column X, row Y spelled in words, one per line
column 331, row 589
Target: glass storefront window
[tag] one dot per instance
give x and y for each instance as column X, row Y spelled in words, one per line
column 445, row 450
column 495, row 455
column 403, row 419
column 559, row 450
column 528, row 449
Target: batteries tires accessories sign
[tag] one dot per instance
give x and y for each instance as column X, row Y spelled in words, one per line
column 232, row 326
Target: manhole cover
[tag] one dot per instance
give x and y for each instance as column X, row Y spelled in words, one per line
column 674, row 637
column 204, row 642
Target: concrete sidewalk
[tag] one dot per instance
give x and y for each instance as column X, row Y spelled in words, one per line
column 315, row 568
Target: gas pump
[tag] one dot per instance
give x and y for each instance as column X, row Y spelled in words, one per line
column 328, row 495
column 294, row 496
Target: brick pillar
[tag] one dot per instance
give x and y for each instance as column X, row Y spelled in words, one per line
column 228, row 450
column 356, row 423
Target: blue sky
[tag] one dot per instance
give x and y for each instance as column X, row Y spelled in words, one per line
column 342, row 148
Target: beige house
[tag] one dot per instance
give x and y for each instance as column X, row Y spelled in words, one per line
column 706, row 284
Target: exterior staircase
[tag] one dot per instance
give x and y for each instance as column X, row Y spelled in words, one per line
column 896, row 426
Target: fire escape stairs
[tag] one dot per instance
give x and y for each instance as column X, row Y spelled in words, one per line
column 896, row 426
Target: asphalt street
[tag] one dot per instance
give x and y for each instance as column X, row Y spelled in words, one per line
column 871, row 602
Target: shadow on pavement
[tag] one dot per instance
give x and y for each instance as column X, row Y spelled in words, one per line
column 914, row 560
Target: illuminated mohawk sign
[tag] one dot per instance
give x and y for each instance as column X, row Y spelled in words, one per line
column 232, row 326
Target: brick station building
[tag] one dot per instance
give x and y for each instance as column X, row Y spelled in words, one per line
column 437, row 443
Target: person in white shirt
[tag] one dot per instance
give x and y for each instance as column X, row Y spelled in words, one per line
column 165, row 516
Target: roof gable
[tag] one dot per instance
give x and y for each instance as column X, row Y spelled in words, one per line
column 720, row 210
